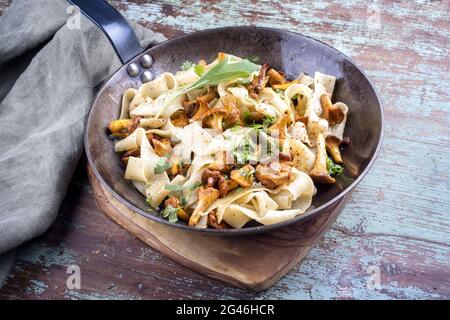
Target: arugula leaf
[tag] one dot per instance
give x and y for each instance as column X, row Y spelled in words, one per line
column 333, row 169
column 162, row 165
column 170, row 213
column 225, row 70
column 187, row 65
column 199, row 69
column 149, row 201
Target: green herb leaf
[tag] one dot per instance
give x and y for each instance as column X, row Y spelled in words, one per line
column 195, row 186
column 226, row 70
column 187, row 65
column 269, row 120
column 162, row 165
column 243, row 82
column 235, row 128
column 174, row 187
column 170, row 213
column 333, row 169
column 199, row 69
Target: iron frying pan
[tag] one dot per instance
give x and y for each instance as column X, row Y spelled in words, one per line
column 284, row 50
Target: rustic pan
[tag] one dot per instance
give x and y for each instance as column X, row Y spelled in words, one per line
column 284, row 50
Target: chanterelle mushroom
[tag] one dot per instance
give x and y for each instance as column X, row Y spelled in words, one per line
column 202, row 109
column 243, row 176
column 210, row 177
column 234, row 114
column 223, row 162
column 213, row 118
column 180, row 118
column 206, row 196
column 162, row 147
column 130, row 153
column 332, row 144
column 273, row 174
column 174, row 202
column 226, row 185
column 275, row 77
column 116, row 126
column 279, row 128
column 213, row 223
column 319, row 172
column 333, row 114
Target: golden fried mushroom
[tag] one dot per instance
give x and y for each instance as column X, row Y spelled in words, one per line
column 162, row 147
column 202, row 109
column 212, row 222
column 174, row 202
column 279, row 128
column 180, row 119
column 243, row 176
column 226, row 185
column 116, row 126
column 274, row 174
column 206, row 196
column 332, row 144
column 333, row 114
column 213, row 118
column 276, row 77
column 319, row 172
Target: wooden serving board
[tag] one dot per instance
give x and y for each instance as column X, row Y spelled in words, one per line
column 255, row 262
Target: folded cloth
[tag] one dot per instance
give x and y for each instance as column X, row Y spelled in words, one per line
column 49, row 75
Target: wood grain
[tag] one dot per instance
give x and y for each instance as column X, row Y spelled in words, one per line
column 397, row 220
column 254, row 262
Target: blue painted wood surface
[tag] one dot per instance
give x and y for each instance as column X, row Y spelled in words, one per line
column 397, row 223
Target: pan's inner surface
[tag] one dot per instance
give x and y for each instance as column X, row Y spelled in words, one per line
column 290, row 52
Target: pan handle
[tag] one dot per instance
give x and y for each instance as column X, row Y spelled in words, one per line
column 114, row 25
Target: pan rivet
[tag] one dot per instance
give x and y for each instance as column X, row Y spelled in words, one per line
column 133, row 69
column 146, row 61
column 146, row 76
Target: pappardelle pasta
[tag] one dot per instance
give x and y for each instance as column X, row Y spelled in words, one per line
column 221, row 144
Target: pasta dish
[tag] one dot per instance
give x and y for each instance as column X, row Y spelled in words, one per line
column 221, row 144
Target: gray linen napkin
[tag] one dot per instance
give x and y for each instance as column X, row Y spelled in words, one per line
column 48, row 78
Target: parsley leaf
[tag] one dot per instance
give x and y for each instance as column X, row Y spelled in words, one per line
column 174, row 187
column 187, row 65
column 333, row 169
column 162, row 165
column 269, row 120
column 170, row 213
column 195, row 186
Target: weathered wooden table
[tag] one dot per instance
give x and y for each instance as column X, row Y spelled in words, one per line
column 392, row 239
